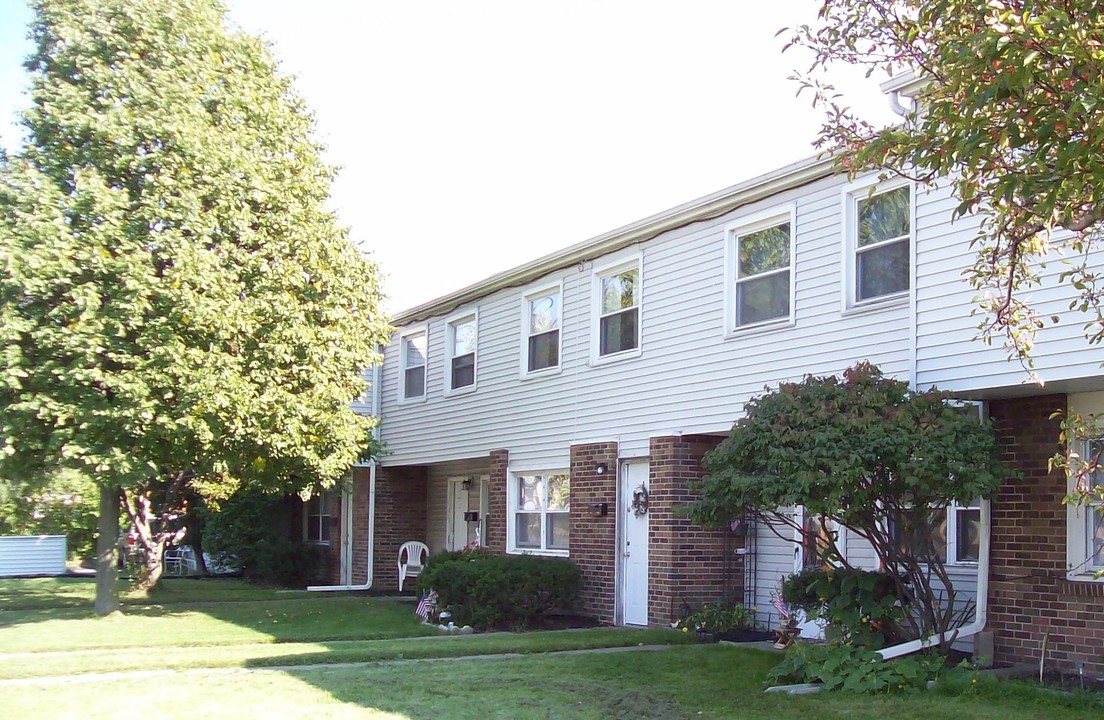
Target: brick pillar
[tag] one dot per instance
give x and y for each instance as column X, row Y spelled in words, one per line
column 361, row 488
column 401, row 494
column 1028, row 593
column 497, row 476
column 593, row 538
column 687, row 564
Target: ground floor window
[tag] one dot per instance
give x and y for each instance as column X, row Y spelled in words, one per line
column 539, row 505
column 316, row 521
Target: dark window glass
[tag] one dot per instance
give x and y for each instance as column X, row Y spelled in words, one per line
column 544, row 350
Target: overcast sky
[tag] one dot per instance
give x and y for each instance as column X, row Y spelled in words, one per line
column 475, row 135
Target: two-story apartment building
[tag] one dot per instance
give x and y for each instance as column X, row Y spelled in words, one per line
column 560, row 408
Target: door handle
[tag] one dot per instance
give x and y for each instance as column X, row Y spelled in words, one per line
column 627, row 553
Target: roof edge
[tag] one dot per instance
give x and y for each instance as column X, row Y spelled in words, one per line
column 709, row 206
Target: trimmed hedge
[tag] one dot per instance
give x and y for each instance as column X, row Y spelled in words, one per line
column 495, row 591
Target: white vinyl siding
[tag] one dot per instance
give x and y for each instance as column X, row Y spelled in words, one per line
column 690, row 379
column 948, row 354
column 32, row 555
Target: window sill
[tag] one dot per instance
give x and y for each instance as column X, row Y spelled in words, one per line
column 599, row 360
column 542, row 553
column 466, row 390
column 880, row 303
column 538, row 374
column 411, row 401
column 766, row 326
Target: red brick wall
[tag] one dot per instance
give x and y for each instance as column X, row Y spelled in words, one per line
column 1028, row 593
column 687, row 564
column 400, row 516
column 496, row 501
column 593, row 538
column 361, row 488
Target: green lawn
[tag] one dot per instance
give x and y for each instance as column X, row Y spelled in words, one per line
column 208, row 643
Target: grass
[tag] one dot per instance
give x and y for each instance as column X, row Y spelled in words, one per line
column 685, row 682
column 205, row 640
column 80, row 592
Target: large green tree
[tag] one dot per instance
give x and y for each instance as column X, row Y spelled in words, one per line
column 1012, row 113
column 866, row 453
column 178, row 309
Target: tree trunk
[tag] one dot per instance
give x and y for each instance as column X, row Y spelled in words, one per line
column 107, row 553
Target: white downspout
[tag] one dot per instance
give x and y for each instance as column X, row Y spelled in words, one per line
column 982, row 608
column 376, row 404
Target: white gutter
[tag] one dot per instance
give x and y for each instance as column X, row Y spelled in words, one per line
column 980, row 613
column 371, row 508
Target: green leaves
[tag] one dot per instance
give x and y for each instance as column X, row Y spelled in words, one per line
column 1011, row 115
column 175, row 295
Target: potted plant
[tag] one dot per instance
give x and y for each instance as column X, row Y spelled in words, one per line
column 723, row 621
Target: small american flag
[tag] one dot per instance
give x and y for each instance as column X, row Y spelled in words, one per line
column 426, row 604
column 780, row 605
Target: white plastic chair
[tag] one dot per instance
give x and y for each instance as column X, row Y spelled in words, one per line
column 412, row 557
column 179, row 560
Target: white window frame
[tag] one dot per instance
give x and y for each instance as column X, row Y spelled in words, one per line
column 770, row 217
column 526, row 298
column 512, row 512
column 612, row 268
column 1079, row 521
column 450, row 351
column 325, row 499
column 404, row 337
column 853, row 194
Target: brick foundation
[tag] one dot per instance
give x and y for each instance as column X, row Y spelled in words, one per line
column 1028, row 593
column 593, row 538
column 401, row 494
column 687, row 564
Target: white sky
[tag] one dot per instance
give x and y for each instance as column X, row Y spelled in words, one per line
column 475, row 135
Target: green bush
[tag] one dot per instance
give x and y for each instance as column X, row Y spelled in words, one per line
column 719, row 617
column 496, row 591
column 859, row 605
column 246, row 533
column 855, row 669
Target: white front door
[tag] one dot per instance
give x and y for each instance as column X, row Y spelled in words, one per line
column 634, row 545
column 457, row 506
column 809, row 545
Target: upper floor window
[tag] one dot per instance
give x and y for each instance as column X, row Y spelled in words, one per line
column 539, row 506
column 618, row 309
column 760, row 267
column 413, row 351
column 316, row 528
column 880, row 227
column 542, row 330
column 462, row 340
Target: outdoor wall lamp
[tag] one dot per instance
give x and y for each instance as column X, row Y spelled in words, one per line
column 466, row 483
column 601, row 468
